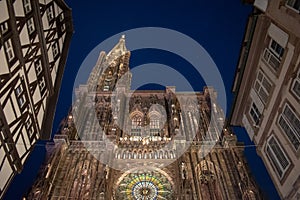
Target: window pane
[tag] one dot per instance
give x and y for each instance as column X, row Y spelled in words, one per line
column 263, row 95
column 296, row 88
column 289, row 132
column 274, row 162
column 267, row 85
column 277, row 157
column 276, row 48
column 19, row 90
column 292, row 118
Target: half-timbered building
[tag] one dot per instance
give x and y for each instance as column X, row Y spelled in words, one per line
column 34, row 41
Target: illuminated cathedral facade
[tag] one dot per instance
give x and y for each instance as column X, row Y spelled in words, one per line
column 119, row 144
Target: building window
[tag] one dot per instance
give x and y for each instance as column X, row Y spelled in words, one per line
column 27, row 6
column 9, row 50
column 55, row 49
column 290, row 125
column 296, row 85
column 262, row 86
column 20, row 95
column 63, row 27
column 19, row 90
column 50, row 13
column 276, row 48
column 277, row 156
column 294, row 4
column 61, row 17
column 3, row 27
column 154, row 126
column 273, row 54
column 30, row 131
column 136, row 124
column 30, row 25
column 28, row 123
column 255, row 114
column 21, row 101
column 29, row 127
column 42, row 83
column 38, row 67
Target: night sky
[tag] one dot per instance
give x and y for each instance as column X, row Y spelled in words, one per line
column 216, row 25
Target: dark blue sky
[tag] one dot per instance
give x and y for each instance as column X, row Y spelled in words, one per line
column 217, row 25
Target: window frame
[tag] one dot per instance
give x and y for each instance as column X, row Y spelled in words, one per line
column 4, row 27
column 256, row 112
column 19, row 92
column 277, row 163
column 154, row 125
column 38, row 67
column 280, row 54
column 292, row 130
column 271, row 56
column 55, row 49
column 261, row 86
column 292, row 6
column 9, row 50
column 30, row 25
column 136, row 125
column 27, row 6
column 296, row 80
column 21, row 101
column 50, row 13
column 42, row 83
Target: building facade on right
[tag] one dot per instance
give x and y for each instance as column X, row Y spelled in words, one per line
column 267, row 90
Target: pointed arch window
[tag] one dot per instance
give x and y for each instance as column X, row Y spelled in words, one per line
column 154, row 125
column 136, row 125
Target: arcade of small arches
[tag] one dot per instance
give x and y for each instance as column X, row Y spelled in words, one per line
column 145, row 154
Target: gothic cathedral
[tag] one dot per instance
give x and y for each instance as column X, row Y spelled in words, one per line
column 119, row 144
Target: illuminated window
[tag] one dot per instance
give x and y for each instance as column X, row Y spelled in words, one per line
column 154, row 125
column 136, row 124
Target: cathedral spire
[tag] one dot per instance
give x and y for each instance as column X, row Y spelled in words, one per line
column 118, row 50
